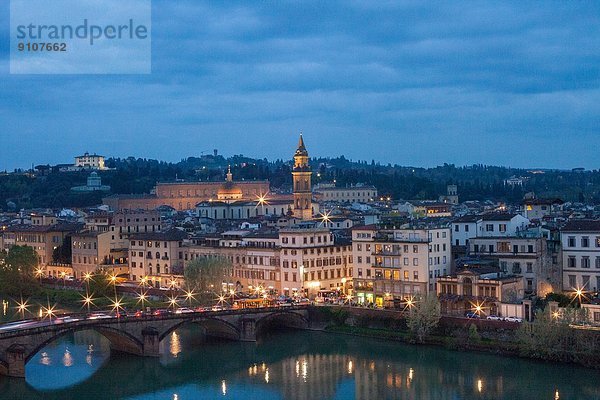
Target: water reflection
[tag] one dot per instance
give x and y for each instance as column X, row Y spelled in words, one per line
column 294, row 366
column 67, row 361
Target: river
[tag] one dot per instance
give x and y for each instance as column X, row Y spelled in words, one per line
column 288, row 365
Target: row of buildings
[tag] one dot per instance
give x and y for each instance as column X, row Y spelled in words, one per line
column 339, row 240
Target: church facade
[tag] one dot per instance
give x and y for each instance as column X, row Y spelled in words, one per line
column 230, row 199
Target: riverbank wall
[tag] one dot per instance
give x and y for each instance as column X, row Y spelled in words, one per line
column 495, row 337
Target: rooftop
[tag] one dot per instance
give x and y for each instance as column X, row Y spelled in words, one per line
column 581, row 225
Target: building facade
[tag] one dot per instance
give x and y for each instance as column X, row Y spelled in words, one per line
column 580, row 241
column 391, row 265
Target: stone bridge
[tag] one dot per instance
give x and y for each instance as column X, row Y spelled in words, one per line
column 142, row 335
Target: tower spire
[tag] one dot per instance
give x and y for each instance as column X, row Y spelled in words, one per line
column 301, row 150
column 229, row 174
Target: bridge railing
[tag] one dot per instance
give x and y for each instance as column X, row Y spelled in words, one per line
column 84, row 319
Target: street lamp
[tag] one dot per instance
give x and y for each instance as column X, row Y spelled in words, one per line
column 39, row 273
column 88, row 301
column 22, row 307
column 142, row 297
column 189, row 295
column 113, row 280
column 261, row 200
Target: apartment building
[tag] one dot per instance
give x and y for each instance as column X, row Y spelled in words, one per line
column 253, row 255
column 43, row 238
column 353, row 194
column 486, row 225
column 580, row 241
column 93, row 250
column 532, row 256
column 394, row 264
column 312, row 260
column 157, row 256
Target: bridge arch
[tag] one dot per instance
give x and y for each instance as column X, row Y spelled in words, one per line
column 286, row 319
column 119, row 340
column 213, row 326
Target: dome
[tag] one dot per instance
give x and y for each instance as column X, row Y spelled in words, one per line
column 229, row 191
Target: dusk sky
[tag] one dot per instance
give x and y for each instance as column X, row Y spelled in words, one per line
column 513, row 84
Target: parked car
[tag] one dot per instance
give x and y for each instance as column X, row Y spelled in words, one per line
column 472, row 315
column 184, row 310
column 494, row 318
column 513, row 319
column 161, row 312
column 98, row 316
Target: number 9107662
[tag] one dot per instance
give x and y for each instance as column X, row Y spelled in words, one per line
column 42, row 47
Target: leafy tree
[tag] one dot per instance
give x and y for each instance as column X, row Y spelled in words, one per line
column 562, row 299
column 100, row 285
column 207, row 275
column 17, row 271
column 546, row 338
column 62, row 254
column 424, row 316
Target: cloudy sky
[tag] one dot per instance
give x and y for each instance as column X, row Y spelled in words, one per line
column 402, row 82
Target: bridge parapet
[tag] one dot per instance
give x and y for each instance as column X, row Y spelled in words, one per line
column 142, row 336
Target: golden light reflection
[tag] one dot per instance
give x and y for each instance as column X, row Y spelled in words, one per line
column 223, row 388
column 267, row 375
column 67, row 359
column 350, row 367
column 479, row 385
column 175, row 344
column 45, row 359
column 304, row 370
column 297, row 369
column 556, row 395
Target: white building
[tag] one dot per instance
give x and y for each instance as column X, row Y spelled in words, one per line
column 90, row 161
column 580, row 241
column 399, row 263
column 353, row 194
column 487, row 225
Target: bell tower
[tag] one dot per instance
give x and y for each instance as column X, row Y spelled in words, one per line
column 301, row 175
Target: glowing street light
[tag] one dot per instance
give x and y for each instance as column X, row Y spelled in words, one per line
column 48, row 311
column 88, row 300
column 39, row 273
column 478, row 308
column 117, row 306
column 409, row 303
column 22, row 307
column 189, row 295
column 113, row 280
column 348, row 299
column 173, row 302
column 142, row 297
column 579, row 294
column 325, row 217
column 261, row 200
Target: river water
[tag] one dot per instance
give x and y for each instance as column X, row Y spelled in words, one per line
column 288, row 365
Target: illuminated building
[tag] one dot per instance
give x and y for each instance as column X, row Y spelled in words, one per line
column 392, row 264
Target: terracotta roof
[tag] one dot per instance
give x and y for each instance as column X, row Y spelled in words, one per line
column 581, row 225
column 170, row 235
column 371, row 227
